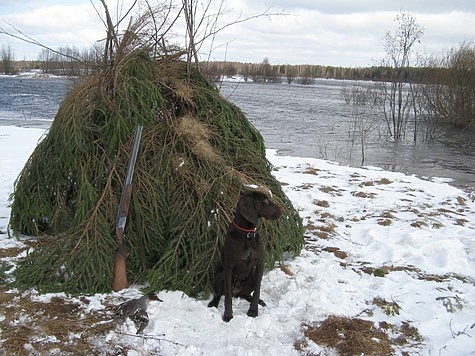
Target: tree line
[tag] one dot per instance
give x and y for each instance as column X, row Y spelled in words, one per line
column 64, row 61
column 71, row 61
column 304, row 73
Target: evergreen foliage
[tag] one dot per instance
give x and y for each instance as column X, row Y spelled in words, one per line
column 198, row 152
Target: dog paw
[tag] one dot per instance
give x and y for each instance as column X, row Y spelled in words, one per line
column 227, row 318
column 252, row 313
column 212, row 304
column 262, row 303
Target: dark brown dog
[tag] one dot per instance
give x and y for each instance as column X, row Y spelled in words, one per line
column 242, row 255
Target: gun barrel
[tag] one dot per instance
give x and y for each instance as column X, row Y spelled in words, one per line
column 123, row 210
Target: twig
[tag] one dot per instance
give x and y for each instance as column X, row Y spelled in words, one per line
column 151, row 337
column 458, row 333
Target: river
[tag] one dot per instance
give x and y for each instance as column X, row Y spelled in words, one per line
column 299, row 120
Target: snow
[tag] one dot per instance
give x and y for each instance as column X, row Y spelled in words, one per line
column 401, row 238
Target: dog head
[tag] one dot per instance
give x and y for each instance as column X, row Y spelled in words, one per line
column 255, row 204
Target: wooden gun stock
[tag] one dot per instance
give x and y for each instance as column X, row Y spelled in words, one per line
column 120, row 267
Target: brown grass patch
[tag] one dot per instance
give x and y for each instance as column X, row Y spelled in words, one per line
column 321, row 231
column 321, row 235
column 384, row 222
column 363, row 195
column 330, row 228
column 382, row 181
column 389, row 308
column 310, row 226
column 325, row 215
column 11, row 252
column 183, row 90
column 418, row 224
column 349, row 336
column 388, row 215
column 337, row 252
column 384, row 270
column 49, row 326
column 198, row 135
column 409, row 335
column 306, row 186
column 461, row 222
column 330, row 190
column 353, row 336
column 311, row 170
column 322, row 203
column 461, row 201
column 446, row 211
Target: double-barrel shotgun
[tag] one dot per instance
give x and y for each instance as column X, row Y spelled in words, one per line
column 120, row 268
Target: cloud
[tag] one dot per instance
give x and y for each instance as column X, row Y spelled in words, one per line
column 364, row 6
column 346, row 32
column 349, row 37
column 70, row 23
column 309, row 37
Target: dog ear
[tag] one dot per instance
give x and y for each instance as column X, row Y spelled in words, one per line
column 247, row 208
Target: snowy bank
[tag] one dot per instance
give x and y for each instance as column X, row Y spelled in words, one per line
column 386, row 247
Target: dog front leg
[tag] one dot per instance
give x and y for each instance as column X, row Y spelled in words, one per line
column 228, row 295
column 253, row 309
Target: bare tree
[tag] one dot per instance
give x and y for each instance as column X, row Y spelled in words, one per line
column 398, row 46
column 290, row 73
column 364, row 120
column 7, row 60
column 203, row 23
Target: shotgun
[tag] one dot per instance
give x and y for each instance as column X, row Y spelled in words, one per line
column 120, row 269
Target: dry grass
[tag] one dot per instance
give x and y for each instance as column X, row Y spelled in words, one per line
column 363, row 195
column 60, row 325
column 384, row 270
column 384, row 222
column 461, row 201
column 382, row 181
column 354, row 336
column 418, row 224
column 348, row 336
column 461, row 222
column 198, row 136
column 337, row 252
column 306, row 186
column 321, row 203
column 311, row 170
column 389, row 308
column 321, row 231
column 330, row 190
column 10, row 252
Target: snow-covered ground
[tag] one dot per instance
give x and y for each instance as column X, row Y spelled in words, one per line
column 382, row 246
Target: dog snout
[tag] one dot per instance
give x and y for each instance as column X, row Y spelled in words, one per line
column 273, row 212
column 278, row 213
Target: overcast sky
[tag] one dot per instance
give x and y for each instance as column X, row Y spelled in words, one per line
column 327, row 32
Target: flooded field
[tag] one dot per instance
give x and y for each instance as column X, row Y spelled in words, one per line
column 299, row 120
column 314, row 121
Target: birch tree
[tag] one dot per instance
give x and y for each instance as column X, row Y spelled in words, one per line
column 397, row 92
